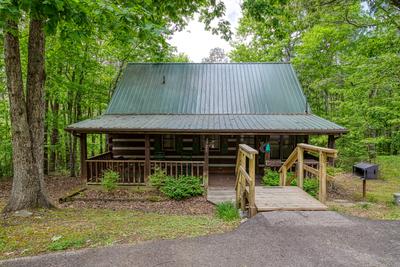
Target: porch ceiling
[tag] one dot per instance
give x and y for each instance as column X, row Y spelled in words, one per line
column 216, row 123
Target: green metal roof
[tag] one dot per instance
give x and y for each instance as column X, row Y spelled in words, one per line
column 296, row 123
column 206, row 97
column 207, row 88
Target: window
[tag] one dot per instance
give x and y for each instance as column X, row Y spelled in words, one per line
column 213, row 142
column 168, row 142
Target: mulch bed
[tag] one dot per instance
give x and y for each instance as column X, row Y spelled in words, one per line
column 191, row 206
column 57, row 186
column 147, row 201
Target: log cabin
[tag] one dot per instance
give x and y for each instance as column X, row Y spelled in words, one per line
column 189, row 118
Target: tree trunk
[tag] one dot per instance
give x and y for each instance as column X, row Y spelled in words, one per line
column 27, row 118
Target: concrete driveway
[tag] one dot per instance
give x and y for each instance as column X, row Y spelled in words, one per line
column 319, row 238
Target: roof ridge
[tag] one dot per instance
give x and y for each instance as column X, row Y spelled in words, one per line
column 205, row 63
column 211, row 114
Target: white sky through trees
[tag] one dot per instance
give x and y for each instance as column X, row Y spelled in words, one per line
column 197, row 42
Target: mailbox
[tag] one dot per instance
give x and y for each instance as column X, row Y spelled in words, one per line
column 366, row 170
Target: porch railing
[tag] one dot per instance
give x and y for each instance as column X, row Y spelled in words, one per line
column 177, row 168
column 132, row 172
column 298, row 156
column 245, row 179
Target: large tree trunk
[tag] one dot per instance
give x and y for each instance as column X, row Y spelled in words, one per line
column 27, row 118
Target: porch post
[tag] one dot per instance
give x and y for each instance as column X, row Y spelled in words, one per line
column 331, row 141
column 331, row 144
column 146, row 158
column 205, row 169
column 82, row 141
column 281, row 147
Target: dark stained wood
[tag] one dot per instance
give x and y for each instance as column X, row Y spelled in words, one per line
column 331, row 141
column 82, row 139
column 146, row 158
column 206, row 152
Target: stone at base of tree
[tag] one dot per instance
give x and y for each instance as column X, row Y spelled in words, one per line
column 23, row 213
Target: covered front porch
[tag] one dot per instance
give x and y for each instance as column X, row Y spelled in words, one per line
column 136, row 156
column 135, row 169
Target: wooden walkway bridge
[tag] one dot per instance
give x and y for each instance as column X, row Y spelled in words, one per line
column 255, row 199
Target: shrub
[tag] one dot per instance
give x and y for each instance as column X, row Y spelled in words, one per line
column 271, row 178
column 311, row 186
column 182, row 187
column 227, row 211
column 158, row 178
column 110, row 180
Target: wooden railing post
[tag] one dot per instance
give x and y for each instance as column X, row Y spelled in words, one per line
column 146, row 158
column 205, row 168
column 242, row 182
column 246, row 179
column 82, row 141
column 321, row 173
column 283, row 176
column 252, row 183
column 322, row 176
column 300, row 167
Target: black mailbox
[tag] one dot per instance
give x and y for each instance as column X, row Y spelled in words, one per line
column 366, row 170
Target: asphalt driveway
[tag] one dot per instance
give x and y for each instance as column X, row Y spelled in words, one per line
column 319, row 238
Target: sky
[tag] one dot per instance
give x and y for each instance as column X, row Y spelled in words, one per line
column 196, row 42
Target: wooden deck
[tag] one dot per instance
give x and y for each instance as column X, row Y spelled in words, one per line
column 285, row 198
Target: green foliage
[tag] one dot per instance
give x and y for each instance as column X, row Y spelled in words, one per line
column 227, row 211
column 63, row 244
column 157, row 179
column 271, row 178
column 176, row 188
column 110, row 180
column 182, row 187
column 346, row 55
column 311, row 186
column 88, row 44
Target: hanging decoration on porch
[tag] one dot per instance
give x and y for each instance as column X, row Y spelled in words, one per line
column 264, row 148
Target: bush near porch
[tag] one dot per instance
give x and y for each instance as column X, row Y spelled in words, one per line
column 271, row 178
column 177, row 188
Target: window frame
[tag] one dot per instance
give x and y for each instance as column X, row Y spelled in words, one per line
column 170, row 137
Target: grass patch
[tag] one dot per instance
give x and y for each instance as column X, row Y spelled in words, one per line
column 371, row 211
column 227, row 211
column 55, row 230
column 64, row 244
column 379, row 192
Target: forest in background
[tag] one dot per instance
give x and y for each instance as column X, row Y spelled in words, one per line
column 88, row 43
column 347, row 57
column 346, row 54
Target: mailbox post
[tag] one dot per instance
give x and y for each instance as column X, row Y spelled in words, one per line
column 365, row 171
